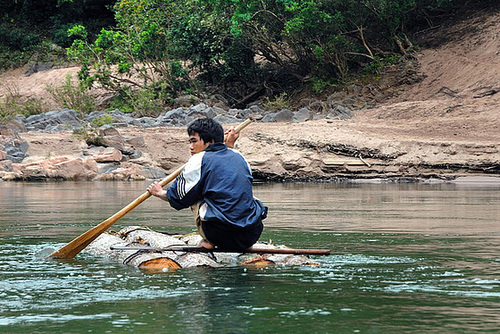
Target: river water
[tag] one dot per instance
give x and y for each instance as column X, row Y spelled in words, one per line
column 405, row 258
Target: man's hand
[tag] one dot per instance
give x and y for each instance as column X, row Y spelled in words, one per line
column 156, row 190
column 230, row 137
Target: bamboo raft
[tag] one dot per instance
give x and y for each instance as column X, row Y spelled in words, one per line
column 154, row 251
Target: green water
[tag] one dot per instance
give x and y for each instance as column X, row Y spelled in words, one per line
column 405, row 258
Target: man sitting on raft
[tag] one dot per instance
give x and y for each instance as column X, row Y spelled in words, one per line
column 217, row 184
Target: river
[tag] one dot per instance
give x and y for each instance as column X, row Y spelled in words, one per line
column 418, row 257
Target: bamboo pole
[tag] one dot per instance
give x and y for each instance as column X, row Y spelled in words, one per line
column 258, row 250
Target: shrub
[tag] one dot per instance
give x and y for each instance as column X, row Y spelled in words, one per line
column 89, row 131
column 279, row 102
column 14, row 105
column 72, row 96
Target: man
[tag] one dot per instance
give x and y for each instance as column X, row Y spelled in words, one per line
column 217, row 184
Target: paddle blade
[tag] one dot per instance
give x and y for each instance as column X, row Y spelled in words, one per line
column 79, row 243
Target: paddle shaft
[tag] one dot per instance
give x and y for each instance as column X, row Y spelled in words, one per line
column 254, row 249
column 74, row 247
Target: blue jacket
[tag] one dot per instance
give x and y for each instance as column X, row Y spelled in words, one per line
column 221, row 178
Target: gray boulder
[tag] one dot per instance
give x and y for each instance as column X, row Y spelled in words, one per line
column 339, row 112
column 269, row 118
column 303, row 115
column 15, row 150
column 201, row 110
column 284, row 115
column 223, row 119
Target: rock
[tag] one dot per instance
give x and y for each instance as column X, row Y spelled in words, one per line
column 208, row 113
column 334, row 99
column 6, row 165
column 127, row 171
column 177, row 116
column 163, row 121
column 6, row 132
column 339, row 112
column 232, row 112
column 318, row 117
column 105, row 154
column 222, row 119
column 303, row 115
column 38, row 67
column 176, row 113
column 56, row 119
column 3, row 155
column 117, row 115
column 201, row 110
column 15, row 148
column 284, row 115
column 57, row 168
column 136, row 154
column 17, row 124
column 152, row 173
column 218, row 110
column 105, row 168
column 270, row 117
column 243, row 114
column 108, row 130
column 317, row 107
column 145, row 122
column 255, row 109
column 119, row 143
column 9, row 176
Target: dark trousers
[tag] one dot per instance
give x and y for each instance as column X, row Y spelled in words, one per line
column 231, row 237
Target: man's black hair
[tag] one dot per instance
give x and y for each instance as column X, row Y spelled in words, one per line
column 207, row 129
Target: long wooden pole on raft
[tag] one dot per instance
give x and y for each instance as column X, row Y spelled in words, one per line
column 254, row 249
column 74, row 247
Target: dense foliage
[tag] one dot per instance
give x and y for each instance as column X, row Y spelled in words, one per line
column 242, row 49
column 30, row 26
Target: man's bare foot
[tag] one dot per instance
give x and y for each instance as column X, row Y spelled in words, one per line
column 206, row 244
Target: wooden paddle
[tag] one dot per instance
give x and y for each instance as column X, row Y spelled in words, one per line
column 74, row 247
column 254, row 249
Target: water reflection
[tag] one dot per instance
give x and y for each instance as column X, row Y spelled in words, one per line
column 347, row 207
column 415, row 208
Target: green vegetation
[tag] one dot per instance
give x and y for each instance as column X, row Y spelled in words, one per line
column 89, row 132
column 72, row 96
column 28, row 26
column 151, row 51
column 13, row 104
column 279, row 102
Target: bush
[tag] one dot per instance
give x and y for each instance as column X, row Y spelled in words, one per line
column 89, row 131
column 72, row 96
column 14, row 105
column 247, row 49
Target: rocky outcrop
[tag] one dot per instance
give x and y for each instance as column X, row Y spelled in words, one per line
column 112, row 156
column 309, row 144
column 66, row 119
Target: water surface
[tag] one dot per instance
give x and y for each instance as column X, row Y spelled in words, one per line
column 405, row 258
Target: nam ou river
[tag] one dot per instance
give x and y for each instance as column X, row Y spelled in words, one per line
column 421, row 257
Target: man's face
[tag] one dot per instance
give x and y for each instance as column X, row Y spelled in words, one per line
column 196, row 144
